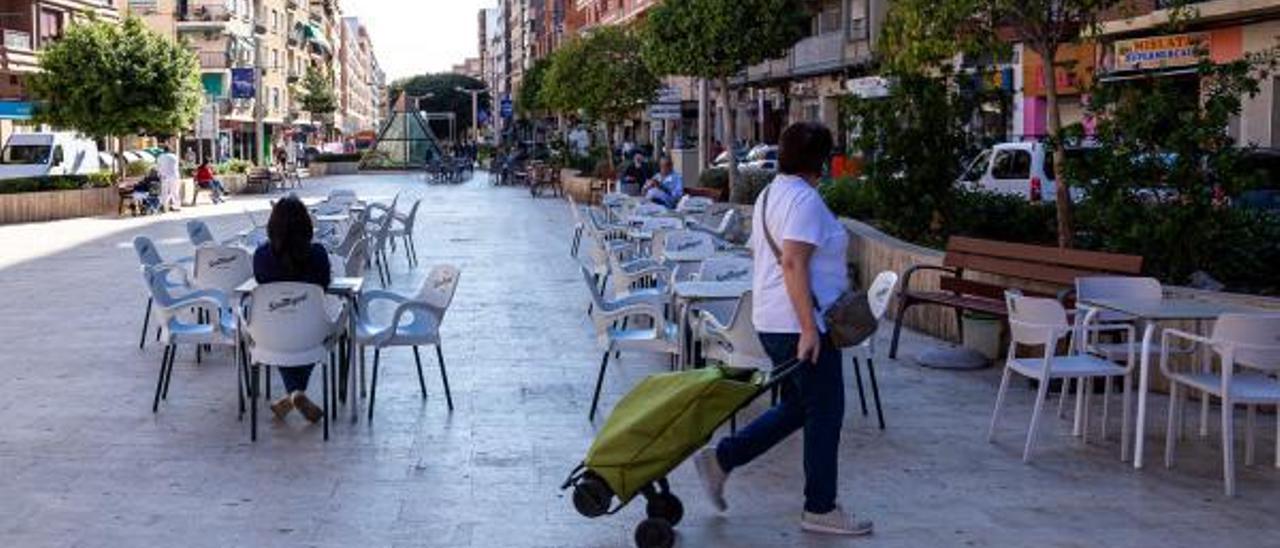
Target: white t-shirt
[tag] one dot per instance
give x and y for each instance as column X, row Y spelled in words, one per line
column 167, row 167
column 796, row 213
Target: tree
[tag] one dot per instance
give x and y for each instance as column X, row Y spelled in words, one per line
column 439, row 93
column 106, row 80
column 603, row 76
column 318, row 98
column 920, row 33
column 717, row 39
column 528, row 100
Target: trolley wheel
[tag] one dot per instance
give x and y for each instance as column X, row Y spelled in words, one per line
column 667, row 507
column 592, row 496
column 655, row 533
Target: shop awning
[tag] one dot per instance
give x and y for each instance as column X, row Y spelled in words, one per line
column 315, row 35
column 213, row 84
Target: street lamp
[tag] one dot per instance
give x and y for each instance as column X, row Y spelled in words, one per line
column 475, row 109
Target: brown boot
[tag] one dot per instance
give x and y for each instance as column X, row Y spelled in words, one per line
column 282, row 407
column 308, row 409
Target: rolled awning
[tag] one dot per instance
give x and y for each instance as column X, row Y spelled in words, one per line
column 315, row 35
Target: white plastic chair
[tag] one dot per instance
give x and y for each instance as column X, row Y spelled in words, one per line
column 693, row 204
column 1248, row 347
column 721, row 230
column 579, row 225
column 415, row 322
column 609, row 313
column 287, row 325
column 175, row 330
column 878, row 296
column 377, row 249
column 222, row 268
column 149, row 257
column 342, row 196
column 402, row 229
column 1043, row 322
column 734, row 342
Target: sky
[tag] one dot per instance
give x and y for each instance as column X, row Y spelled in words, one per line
column 417, row 36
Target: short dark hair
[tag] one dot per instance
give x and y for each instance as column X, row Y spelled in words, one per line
column 804, row 148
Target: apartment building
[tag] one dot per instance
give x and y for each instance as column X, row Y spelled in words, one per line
column 472, row 66
column 26, row 27
column 1139, row 43
column 358, row 92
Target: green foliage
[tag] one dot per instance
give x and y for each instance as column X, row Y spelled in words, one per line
column 104, row 79
column 439, row 93
column 137, row 169
column 235, row 167
column 1160, row 182
column 528, row 98
column 57, row 183
column 914, row 142
column 749, row 185
column 318, row 97
column 720, row 38
column 715, row 178
column 600, row 74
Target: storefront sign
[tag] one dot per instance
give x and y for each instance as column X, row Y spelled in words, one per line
column 15, row 110
column 869, row 87
column 1176, row 50
column 668, row 106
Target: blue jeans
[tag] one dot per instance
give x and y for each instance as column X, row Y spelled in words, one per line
column 296, row 379
column 812, row 399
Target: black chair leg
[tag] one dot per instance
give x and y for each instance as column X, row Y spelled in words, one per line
column 328, row 401
column 146, row 322
column 255, row 384
column 857, row 375
column 164, row 366
column 444, row 377
column 373, row 384
column 875, row 391
column 168, row 376
column 422, row 383
column 595, row 400
column 897, row 330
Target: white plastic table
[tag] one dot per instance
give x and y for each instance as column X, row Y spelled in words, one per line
column 1150, row 313
column 687, row 293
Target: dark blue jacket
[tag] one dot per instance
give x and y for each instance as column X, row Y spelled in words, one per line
column 267, row 269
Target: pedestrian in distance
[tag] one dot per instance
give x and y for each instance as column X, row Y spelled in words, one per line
column 169, row 168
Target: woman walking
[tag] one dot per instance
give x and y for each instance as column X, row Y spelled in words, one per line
column 799, row 249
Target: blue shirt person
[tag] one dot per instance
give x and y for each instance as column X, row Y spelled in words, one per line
column 666, row 188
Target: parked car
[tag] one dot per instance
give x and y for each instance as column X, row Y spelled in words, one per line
column 763, row 157
column 723, row 159
column 44, row 154
column 1021, row 169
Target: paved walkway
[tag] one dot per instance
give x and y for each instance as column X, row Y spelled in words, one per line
column 86, row 463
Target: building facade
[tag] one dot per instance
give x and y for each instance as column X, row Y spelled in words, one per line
column 358, row 94
column 26, row 28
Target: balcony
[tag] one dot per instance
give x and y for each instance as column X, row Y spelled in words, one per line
column 818, row 53
column 217, row 60
column 17, row 53
column 205, row 18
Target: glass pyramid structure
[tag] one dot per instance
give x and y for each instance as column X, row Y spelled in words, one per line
column 405, row 142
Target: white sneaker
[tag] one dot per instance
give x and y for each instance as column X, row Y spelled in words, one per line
column 712, row 476
column 835, row 522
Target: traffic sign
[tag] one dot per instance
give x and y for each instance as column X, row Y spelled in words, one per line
column 508, row 108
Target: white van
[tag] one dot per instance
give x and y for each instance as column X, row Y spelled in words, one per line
column 1019, row 169
column 45, row 154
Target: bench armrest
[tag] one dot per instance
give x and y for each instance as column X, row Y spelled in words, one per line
column 905, row 287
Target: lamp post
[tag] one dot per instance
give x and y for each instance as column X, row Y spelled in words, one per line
column 475, row 109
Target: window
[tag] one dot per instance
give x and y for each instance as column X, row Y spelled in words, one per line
column 275, row 99
column 977, row 168
column 1011, row 164
column 51, row 23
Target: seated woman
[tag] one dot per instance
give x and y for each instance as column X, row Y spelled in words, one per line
column 205, row 179
column 665, row 188
column 290, row 256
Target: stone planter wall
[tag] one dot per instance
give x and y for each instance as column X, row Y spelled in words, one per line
column 36, row 207
column 321, row 169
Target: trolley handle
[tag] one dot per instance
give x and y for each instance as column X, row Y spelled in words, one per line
column 781, row 373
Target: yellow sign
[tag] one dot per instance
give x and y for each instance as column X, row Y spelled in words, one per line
column 1175, row 50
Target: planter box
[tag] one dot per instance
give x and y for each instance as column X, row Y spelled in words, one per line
column 37, row 207
column 321, row 169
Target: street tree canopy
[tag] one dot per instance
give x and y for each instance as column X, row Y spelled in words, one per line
column 104, row 79
column 717, row 39
column 528, row 98
column 439, row 93
column 318, row 97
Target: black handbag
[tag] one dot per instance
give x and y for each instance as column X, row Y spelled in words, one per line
column 849, row 320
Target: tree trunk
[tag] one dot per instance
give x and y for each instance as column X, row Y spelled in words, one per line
column 726, row 115
column 608, row 149
column 1066, row 234
column 122, row 167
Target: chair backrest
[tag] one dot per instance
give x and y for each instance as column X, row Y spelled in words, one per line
column 253, row 219
column 327, row 231
column 725, row 269
column 412, row 217
column 1117, row 287
column 355, row 233
column 198, row 232
column 148, row 255
column 742, row 334
column 223, row 268
column 881, row 292
column 1035, row 321
column 648, row 210
column 356, row 260
column 1252, row 339
column 288, row 319
column 688, row 241
column 439, row 287
column 726, row 222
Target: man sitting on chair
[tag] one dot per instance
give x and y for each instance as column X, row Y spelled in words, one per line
column 665, row 188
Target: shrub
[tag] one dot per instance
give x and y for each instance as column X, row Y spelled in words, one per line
column 715, row 178
column 57, row 183
column 992, row 216
column 137, row 169
column 234, row 167
column 749, row 185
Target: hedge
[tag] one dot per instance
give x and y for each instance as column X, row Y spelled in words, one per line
column 58, row 183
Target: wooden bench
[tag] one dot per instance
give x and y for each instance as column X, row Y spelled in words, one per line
column 1042, row 267
column 262, row 177
column 545, row 177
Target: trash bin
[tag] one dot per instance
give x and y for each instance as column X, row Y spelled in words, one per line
column 982, row 333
